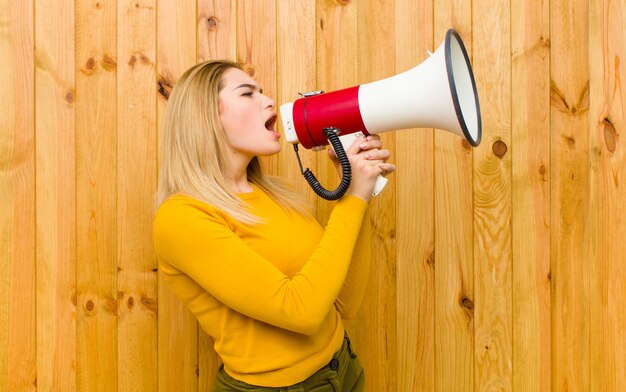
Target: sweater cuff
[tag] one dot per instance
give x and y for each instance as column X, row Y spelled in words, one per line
column 354, row 203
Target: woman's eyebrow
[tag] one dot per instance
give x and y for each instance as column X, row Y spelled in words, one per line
column 248, row 85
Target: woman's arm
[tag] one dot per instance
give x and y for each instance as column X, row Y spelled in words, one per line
column 351, row 296
column 203, row 247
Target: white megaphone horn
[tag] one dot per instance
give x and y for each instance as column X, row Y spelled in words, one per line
column 438, row 93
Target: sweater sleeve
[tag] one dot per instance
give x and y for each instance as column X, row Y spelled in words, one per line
column 203, row 247
column 354, row 287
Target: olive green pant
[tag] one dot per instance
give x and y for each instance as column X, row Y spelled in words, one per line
column 343, row 373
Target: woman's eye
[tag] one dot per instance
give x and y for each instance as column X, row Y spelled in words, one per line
column 248, row 94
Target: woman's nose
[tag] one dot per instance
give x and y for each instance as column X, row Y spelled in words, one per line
column 270, row 104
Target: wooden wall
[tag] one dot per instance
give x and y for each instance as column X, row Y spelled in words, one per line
column 495, row 268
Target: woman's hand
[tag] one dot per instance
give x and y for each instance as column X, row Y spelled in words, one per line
column 368, row 160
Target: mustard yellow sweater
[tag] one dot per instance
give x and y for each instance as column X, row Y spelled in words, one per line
column 272, row 296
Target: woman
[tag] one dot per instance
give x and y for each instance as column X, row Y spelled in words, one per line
column 264, row 280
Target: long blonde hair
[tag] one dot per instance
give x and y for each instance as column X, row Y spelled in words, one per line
column 193, row 148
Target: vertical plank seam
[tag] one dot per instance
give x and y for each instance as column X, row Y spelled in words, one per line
column 116, row 255
column 76, row 294
column 34, row 108
column 550, row 178
column 473, row 269
column 433, row 217
column 156, row 158
column 512, row 193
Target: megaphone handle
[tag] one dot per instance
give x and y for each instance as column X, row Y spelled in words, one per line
column 346, row 142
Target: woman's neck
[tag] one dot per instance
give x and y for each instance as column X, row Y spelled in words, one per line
column 238, row 180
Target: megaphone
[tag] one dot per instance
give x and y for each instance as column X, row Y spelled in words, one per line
column 438, row 93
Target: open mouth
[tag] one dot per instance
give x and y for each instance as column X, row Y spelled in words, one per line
column 269, row 124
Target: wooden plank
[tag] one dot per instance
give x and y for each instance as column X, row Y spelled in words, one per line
column 607, row 50
column 96, row 173
column 17, row 199
column 217, row 39
column 136, row 186
column 492, row 199
column 295, row 48
column 530, row 219
column 56, row 196
column 572, row 214
column 337, row 68
column 415, row 220
column 454, row 280
column 376, row 336
column 217, row 29
column 256, row 45
column 177, row 327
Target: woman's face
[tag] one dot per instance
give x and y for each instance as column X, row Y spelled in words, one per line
column 247, row 117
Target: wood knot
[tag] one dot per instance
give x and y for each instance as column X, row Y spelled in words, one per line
column 89, row 306
column 430, row 260
column 69, row 97
column 90, row 66
column 130, row 302
column 467, row 303
column 164, row 86
column 499, row 148
column 108, row 63
column 570, row 141
column 249, row 69
column 212, row 23
column 610, row 135
column 138, row 57
column 466, row 146
column 149, row 304
column 98, row 5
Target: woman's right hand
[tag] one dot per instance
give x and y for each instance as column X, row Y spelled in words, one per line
column 368, row 160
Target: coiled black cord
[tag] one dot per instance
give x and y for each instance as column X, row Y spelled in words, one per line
column 346, row 169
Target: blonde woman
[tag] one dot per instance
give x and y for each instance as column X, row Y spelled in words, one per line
column 264, row 279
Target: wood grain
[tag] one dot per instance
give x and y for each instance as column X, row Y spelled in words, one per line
column 96, row 195
column 573, row 218
column 415, row 219
column 217, row 29
column 56, row 196
column 530, row 218
column 136, row 186
column 17, row 198
column 454, row 239
column 607, row 51
column 492, row 199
